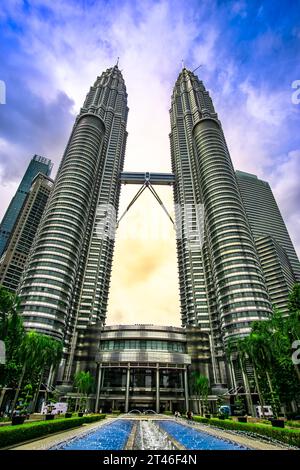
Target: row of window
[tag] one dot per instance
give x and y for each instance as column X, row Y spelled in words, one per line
column 142, row 344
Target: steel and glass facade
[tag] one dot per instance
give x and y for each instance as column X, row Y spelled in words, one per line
column 66, row 283
column 222, row 288
column 37, row 165
column 13, row 260
column 143, row 367
column 277, row 254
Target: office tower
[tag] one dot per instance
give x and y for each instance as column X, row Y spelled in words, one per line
column 66, row 283
column 222, row 288
column 13, row 260
column 278, row 258
column 37, row 165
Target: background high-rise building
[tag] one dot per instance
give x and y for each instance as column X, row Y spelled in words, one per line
column 13, row 260
column 277, row 254
column 66, row 283
column 222, row 288
column 37, row 165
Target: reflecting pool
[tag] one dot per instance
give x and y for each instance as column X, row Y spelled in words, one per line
column 110, row 436
column 194, row 439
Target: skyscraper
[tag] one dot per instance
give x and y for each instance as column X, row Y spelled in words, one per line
column 13, row 260
column 222, row 288
column 66, row 283
column 277, row 254
column 37, row 165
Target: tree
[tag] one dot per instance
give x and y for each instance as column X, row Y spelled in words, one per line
column 248, row 347
column 9, row 304
column 230, row 351
column 25, row 399
column 50, row 356
column 242, row 358
column 294, row 299
column 84, row 382
column 36, row 352
column 11, row 370
column 263, row 351
column 200, row 385
column 239, row 407
column 12, row 333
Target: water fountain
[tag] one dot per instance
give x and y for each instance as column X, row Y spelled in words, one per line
column 144, row 433
column 134, row 412
column 150, row 437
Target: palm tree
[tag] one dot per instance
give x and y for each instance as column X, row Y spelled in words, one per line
column 9, row 304
column 31, row 353
column 201, row 387
column 293, row 320
column 50, row 357
column 248, row 346
column 84, row 382
column 230, row 350
column 242, row 357
column 262, row 350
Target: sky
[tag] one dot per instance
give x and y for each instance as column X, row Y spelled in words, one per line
column 249, row 51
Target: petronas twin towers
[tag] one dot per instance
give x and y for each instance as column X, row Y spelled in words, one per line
column 65, row 286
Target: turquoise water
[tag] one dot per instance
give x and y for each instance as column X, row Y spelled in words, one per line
column 110, row 436
column 193, row 439
column 114, row 436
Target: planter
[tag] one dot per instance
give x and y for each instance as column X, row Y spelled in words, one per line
column 48, row 417
column 277, row 423
column 68, row 415
column 18, row 420
column 242, row 419
column 80, row 414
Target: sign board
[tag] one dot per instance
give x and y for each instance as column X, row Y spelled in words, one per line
column 56, row 408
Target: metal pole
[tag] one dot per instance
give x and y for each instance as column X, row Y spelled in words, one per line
column 186, row 390
column 127, row 390
column 157, row 389
column 98, row 387
column 2, row 394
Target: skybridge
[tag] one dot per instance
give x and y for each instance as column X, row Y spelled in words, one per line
column 147, row 180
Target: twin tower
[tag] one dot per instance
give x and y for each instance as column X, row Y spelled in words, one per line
column 64, row 290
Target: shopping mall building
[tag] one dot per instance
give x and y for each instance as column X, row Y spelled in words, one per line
column 149, row 367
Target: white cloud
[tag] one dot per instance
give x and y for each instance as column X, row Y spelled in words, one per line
column 267, row 106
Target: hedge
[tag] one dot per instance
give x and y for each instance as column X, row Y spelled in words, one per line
column 288, row 436
column 10, row 435
column 293, row 424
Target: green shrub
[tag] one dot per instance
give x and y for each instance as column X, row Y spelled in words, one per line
column 288, row 436
column 294, row 424
column 201, row 419
column 11, row 435
column 168, row 413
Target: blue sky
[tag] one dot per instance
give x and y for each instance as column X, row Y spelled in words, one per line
column 51, row 52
